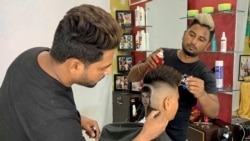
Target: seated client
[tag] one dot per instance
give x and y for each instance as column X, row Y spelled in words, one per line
column 162, row 84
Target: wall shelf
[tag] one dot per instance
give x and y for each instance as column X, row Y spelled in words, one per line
column 218, row 12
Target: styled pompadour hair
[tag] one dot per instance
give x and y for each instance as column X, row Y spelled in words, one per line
column 206, row 20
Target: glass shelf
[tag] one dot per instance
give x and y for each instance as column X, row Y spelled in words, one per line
column 227, row 90
column 227, row 52
column 135, row 27
column 143, row 26
column 218, row 12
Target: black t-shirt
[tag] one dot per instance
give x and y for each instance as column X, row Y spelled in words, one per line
column 35, row 106
column 177, row 128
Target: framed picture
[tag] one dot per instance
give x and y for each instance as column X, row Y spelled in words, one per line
column 244, row 67
column 124, row 18
column 124, row 63
column 121, row 82
column 127, row 42
column 136, row 86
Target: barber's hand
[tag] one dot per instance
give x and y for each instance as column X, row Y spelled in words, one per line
column 152, row 60
column 196, row 86
column 155, row 124
column 91, row 127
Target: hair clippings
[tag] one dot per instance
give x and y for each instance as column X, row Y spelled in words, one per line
column 183, row 81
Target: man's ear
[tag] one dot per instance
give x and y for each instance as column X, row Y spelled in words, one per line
column 75, row 65
column 166, row 103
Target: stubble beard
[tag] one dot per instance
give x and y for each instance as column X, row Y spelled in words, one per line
column 187, row 52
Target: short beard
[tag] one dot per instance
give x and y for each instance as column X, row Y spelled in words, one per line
column 189, row 53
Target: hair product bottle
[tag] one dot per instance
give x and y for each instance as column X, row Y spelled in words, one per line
column 137, row 16
column 142, row 16
column 219, row 74
column 214, row 48
column 160, row 58
column 223, row 43
column 137, row 40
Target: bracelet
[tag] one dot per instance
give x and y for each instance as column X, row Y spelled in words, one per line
column 139, row 69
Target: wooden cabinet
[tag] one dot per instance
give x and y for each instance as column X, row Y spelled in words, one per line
column 202, row 132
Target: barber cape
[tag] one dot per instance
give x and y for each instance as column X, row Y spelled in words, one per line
column 126, row 131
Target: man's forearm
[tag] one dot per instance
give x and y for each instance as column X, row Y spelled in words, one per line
column 210, row 105
column 137, row 72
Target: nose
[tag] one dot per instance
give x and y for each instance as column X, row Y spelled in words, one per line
column 194, row 40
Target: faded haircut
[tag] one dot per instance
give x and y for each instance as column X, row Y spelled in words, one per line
column 165, row 74
column 160, row 77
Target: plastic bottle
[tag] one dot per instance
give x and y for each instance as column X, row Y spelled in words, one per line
column 219, row 74
column 137, row 40
column 143, row 41
column 137, row 16
column 214, row 47
column 223, row 42
column 142, row 17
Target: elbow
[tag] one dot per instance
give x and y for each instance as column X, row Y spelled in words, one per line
column 215, row 113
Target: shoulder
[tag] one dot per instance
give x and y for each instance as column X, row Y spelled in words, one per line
column 169, row 52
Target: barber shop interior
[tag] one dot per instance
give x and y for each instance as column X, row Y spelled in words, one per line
column 188, row 60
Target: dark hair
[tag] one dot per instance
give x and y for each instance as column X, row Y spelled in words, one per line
column 195, row 21
column 146, row 90
column 84, row 33
column 164, row 74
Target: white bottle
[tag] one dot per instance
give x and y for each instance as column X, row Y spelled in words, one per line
column 223, row 43
column 219, row 73
column 137, row 16
column 137, row 40
column 142, row 16
column 142, row 41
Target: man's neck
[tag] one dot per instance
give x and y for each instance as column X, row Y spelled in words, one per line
column 52, row 68
column 186, row 58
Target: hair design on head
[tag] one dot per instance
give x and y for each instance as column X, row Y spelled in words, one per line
column 156, row 79
column 165, row 74
column 84, row 33
column 206, row 20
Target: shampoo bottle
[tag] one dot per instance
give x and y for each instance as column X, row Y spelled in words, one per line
column 137, row 40
column 137, row 16
column 223, row 43
column 142, row 16
column 219, row 73
column 142, row 40
column 214, row 48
